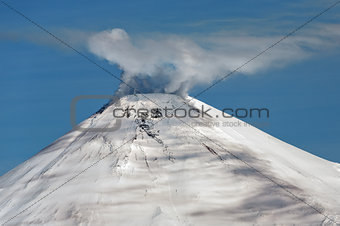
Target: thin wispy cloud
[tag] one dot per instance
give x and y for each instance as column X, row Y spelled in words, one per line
column 74, row 37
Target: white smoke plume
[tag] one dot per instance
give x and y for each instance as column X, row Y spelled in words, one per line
column 175, row 64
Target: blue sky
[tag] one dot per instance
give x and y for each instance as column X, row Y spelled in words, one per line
column 39, row 77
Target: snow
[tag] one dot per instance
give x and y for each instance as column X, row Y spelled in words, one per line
column 170, row 174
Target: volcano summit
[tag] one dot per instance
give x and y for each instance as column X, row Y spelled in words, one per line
column 170, row 171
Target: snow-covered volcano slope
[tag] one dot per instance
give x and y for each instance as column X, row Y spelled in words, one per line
column 163, row 172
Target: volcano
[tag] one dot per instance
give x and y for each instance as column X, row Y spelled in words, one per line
column 169, row 171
